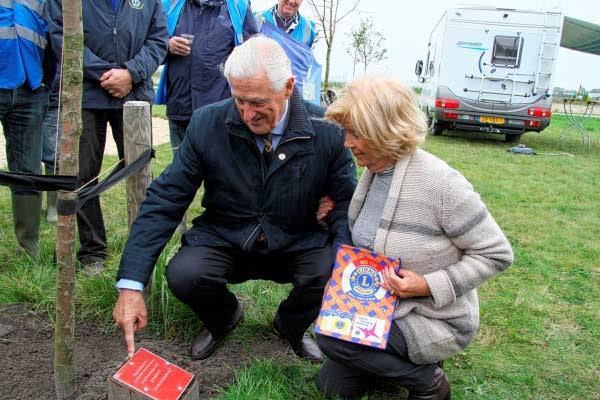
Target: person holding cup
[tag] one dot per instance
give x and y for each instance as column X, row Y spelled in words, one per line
column 192, row 76
column 202, row 36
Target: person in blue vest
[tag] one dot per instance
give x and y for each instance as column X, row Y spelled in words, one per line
column 192, row 76
column 23, row 101
column 124, row 43
column 285, row 15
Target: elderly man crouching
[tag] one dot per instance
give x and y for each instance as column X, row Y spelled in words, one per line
column 265, row 162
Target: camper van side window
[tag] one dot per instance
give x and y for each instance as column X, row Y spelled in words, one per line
column 507, row 50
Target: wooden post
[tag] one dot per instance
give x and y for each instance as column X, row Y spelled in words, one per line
column 71, row 91
column 118, row 391
column 137, row 134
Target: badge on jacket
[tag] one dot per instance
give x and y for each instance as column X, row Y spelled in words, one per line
column 136, row 4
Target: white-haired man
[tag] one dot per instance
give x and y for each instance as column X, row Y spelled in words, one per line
column 264, row 161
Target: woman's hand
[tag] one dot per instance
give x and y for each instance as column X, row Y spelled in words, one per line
column 325, row 205
column 405, row 284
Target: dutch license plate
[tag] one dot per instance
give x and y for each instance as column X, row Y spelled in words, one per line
column 492, row 120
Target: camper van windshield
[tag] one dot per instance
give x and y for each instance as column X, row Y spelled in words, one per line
column 507, row 50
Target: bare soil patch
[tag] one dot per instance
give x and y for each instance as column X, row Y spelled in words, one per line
column 27, row 352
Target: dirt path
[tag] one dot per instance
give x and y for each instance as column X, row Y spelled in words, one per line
column 160, row 130
column 27, row 346
column 577, row 109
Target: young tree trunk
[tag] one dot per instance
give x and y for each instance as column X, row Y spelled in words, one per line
column 329, row 14
column 327, row 62
column 72, row 79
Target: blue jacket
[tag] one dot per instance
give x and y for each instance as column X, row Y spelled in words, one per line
column 135, row 38
column 240, row 195
column 304, row 32
column 23, row 38
column 217, row 29
column 304, row 66
column 196, row 80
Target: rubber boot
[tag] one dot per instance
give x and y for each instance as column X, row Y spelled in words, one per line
column 51, row 199
column 51, row 213
column 26, row 218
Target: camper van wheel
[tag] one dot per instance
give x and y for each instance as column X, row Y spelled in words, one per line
column 437, row 128
column 512, row 138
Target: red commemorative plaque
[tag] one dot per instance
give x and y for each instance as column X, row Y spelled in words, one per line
column 153, row 376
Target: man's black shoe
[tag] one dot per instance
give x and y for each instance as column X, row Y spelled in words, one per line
column 304, row 348
column 205, row 344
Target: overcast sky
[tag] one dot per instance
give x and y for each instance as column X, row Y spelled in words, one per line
column 407, row 25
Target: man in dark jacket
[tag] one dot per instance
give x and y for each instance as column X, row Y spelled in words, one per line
column 125, row 41
column 264, row 161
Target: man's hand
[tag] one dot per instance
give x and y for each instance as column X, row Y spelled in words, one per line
column 130, row 314
column 117, row 82
column 405, row 284
column 179, row 46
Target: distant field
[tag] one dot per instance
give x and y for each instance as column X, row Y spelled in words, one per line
column 540, row 320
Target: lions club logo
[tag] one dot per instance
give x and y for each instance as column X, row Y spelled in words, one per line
column 361, row 280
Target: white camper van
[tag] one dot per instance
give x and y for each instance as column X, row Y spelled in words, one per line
column 490, row 70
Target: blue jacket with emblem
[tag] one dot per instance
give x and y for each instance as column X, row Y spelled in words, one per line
column 135, row 38
column 241, row 196
column 23, row 39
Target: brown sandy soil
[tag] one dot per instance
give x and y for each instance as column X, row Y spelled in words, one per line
column 27, row 346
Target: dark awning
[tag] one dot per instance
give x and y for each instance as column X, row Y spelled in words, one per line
column 581, row 36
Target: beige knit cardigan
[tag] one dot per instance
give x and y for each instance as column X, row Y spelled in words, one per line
column 437, row 224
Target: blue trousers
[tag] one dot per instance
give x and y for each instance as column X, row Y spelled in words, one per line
column 21, row 113
column 50, row 144
column 177, row 131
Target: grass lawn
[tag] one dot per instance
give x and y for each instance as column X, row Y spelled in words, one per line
column 540, row 320
column 159, row 111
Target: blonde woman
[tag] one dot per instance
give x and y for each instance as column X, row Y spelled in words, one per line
column 412, row 205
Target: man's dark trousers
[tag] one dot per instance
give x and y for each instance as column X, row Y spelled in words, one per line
column 198, row 276
column 90, row 223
